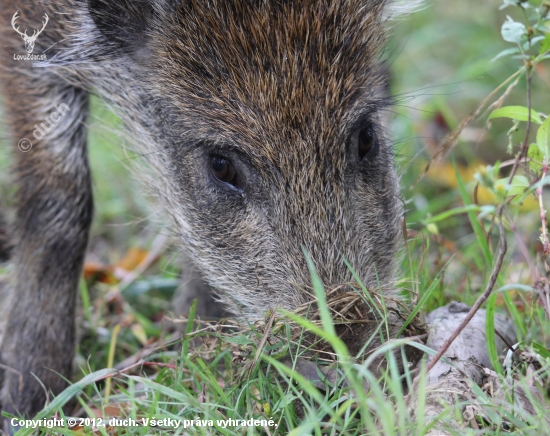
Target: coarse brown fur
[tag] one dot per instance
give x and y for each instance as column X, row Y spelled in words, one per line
column 277, row 87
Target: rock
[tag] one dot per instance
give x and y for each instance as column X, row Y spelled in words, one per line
column 468, row 353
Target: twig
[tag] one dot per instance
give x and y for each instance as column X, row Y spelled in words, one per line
column 452, row 138
column 140, row 363
column 264, row 340
column 481, row 299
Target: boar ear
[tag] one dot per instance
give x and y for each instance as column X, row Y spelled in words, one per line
column 122, row 22
column 394, row 9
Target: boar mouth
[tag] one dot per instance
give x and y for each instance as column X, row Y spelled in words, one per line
column 363, row 321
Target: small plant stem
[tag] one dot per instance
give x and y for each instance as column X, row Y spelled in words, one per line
column 544, row 290
column 542, row 285
column 525, row 144
column 503, row 244
column 544, row 238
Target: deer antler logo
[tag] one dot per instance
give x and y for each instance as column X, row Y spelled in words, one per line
column 29, row 40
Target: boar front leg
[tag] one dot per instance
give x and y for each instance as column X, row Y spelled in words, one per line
column 50, row 234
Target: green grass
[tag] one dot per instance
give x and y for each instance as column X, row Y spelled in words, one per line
column 223, row 385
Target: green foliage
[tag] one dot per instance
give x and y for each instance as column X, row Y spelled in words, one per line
column 518, row 113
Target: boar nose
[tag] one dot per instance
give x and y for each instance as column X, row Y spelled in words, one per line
column 324, row 241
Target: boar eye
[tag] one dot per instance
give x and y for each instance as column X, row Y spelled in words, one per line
column 223, row 170
column 366, row 142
